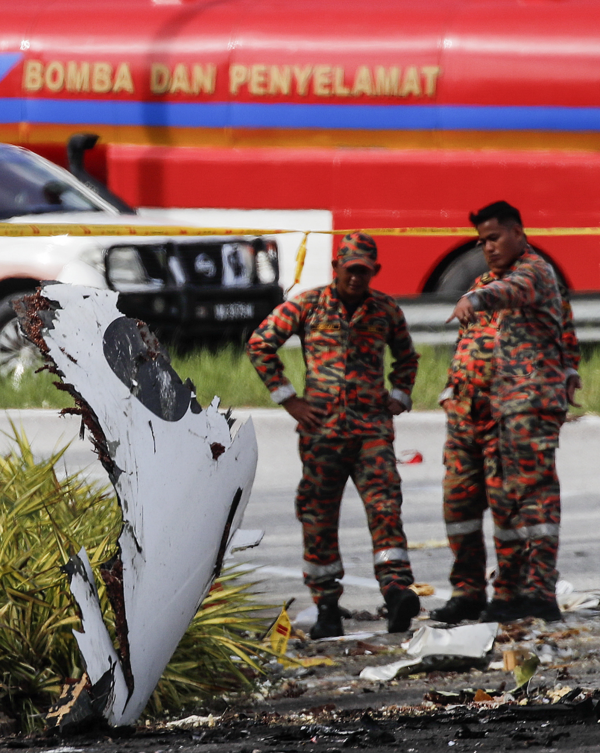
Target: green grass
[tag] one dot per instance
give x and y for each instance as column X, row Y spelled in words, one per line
column 229, row 374
column 31, row 390
column 589, row 370
column 431, row 376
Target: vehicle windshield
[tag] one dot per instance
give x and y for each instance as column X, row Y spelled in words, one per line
column 29, row 186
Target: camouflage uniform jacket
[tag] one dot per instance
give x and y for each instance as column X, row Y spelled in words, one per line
column 471, row 368
column 344, row 359
column 532, row 353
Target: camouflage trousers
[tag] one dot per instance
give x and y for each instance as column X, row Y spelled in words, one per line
column 371, row 464
column 510, row 467
column 527, row 520
column 473, row 481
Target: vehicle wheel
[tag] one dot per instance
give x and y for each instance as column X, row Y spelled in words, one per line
column 460, row 274
column 16, row 352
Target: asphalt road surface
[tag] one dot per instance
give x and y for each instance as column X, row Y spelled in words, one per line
column 278, row 559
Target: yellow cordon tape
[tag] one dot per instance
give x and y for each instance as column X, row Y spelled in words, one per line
column 300, row 257
column 22, row 230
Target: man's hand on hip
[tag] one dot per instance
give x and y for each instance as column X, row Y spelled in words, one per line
column 573, row 383
column 305, row 414
column 395, row 406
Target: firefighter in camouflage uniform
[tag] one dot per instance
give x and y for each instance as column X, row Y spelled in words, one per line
column 512, row 377
column 473, row 479
column 345, row 424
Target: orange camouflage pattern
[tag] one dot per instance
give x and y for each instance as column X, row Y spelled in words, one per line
column 476, row 476
column 527, row 516
column 344, row 355
column 472, row 483
column 470, row 371
column 371, row 464
column 344, row 358
column 530, row 357
column 529, row 395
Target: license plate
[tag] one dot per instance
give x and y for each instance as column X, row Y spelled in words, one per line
column 227, row 311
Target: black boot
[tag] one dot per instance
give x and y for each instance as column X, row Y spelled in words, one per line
column 504, row 610
column 329, row 621
column 545, row 609
column 402, row 605
column 460, row 608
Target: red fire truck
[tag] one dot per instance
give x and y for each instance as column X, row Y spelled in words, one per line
column 400, row 113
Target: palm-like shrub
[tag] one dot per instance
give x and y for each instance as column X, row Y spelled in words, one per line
column 44, row 519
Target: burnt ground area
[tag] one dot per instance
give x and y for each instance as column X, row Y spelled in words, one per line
column 330, row 708
column 388, row 729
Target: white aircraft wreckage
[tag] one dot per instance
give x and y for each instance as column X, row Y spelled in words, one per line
column 182, row 475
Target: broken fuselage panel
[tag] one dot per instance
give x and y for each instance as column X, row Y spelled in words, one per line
column 182, row 475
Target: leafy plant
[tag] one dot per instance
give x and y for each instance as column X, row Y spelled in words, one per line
column 44, row 519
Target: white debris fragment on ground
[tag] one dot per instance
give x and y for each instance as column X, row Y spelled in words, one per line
column 570, row 600
column 182, row 475
column 434, row 682
column 193, row 722
column 447, row 648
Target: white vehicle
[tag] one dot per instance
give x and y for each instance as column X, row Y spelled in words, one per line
column 185, row 289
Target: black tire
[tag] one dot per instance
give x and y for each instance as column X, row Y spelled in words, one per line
column 460, row 274
column 16, row 352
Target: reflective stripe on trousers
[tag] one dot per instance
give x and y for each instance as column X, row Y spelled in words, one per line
column 335, row 568
column 390, row 555
column 322, row 571
column 466, row 526
column 527, row 532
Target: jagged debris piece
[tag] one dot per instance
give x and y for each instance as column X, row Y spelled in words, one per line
column 182, row 476
column 450, row 649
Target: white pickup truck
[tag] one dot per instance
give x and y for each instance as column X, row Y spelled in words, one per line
column 186, row 289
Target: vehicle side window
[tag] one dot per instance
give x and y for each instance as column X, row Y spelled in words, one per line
column 27, row 187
